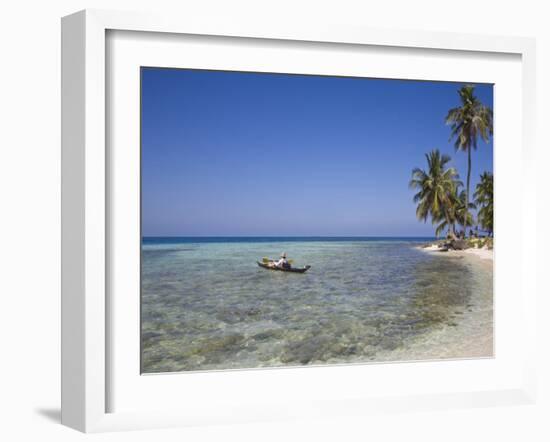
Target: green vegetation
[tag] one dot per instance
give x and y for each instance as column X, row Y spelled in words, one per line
column 440, row 193
column 469, row 122
column 437, row 189
column 483, row 196
column 479, row 243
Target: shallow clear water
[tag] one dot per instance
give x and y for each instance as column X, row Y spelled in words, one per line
column 207, row 305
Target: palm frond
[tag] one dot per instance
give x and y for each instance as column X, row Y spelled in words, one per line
column 437, row 187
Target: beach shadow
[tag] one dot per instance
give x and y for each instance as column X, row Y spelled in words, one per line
column 51, row 414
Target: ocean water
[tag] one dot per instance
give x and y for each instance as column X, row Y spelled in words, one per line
column 206, row 305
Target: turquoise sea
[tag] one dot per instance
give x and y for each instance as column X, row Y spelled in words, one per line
column 206, row 305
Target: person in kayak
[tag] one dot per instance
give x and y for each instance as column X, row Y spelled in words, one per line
column 282, row 263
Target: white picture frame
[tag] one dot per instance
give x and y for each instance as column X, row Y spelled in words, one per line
column 86, row 204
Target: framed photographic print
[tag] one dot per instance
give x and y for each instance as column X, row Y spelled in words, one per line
column 269, row 223
column 312, row 179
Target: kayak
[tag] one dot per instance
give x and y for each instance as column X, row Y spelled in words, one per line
column 292, row 269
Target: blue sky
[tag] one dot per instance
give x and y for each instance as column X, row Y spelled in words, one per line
column 246, row 154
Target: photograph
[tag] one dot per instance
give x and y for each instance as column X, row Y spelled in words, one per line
column 293, row 220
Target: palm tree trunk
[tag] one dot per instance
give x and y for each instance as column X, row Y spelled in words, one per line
column 451, row 227
column 468, row 187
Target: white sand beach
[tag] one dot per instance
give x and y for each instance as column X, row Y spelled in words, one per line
column 483, row 253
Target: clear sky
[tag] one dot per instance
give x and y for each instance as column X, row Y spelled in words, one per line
column 246, row 154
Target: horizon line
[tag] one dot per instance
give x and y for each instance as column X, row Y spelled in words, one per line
column 288, row 236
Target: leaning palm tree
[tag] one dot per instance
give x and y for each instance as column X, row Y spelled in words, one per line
column 437, row 188
column 447, row 221
column 464, row 215
column 457, row 212
column 484, row 199
column 470, row 121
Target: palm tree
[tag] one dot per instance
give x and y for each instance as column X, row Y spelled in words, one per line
column 469, row 122
column 437, row 188
column 464, row 216
column 484, row 199
column 457, row 212
column 449, row 221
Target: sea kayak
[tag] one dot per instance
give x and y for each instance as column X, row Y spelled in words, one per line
column 291, row 269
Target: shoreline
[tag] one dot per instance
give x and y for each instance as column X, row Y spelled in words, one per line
column 483, row 253
column 477, row 325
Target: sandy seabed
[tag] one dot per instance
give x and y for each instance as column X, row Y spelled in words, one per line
column 473, row 334
column 363, row 302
